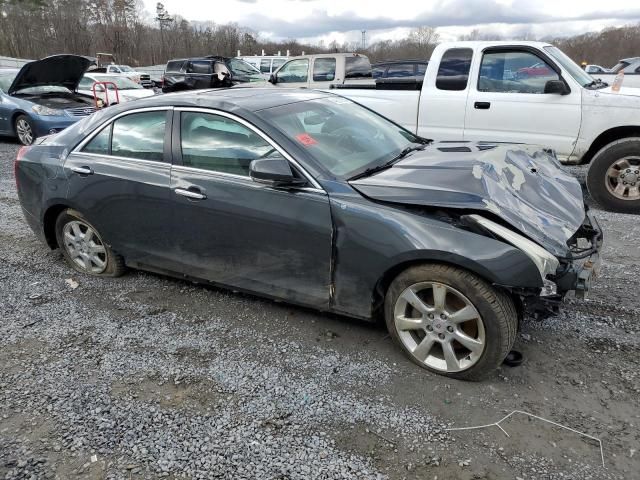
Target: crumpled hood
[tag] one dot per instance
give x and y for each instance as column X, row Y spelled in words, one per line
column 522, row 184
column 62, row 70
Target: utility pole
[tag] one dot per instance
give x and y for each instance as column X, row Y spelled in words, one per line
column 364, row 39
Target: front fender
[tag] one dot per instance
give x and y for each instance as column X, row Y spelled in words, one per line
column 373, row 240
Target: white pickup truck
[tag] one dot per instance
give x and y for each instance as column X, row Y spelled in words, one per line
column 523, row 92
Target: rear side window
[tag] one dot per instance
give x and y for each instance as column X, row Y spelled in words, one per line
column 324, row 69
column 216, row 143
column 199, row 67
column 422, row 69
column 175, row 66
column 139, row 135
column 378, row 72
column 357, row 67
column 401, row 70
column 100, row 143
column 453, row 73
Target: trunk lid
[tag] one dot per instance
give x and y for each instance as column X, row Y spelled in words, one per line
column 61, row 70
column 523, row 185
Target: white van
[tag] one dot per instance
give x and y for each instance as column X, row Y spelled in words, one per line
column 267, row 64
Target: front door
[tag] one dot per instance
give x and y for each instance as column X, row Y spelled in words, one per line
column 294, row 74
column 119, row 180
column 508, row 103
column 233, row 231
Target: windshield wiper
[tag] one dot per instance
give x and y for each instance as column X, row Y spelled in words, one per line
column 378, row 168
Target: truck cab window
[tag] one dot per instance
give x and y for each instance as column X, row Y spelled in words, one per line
column 324, row 69
column 294, row 71
column 453, row 73
column 514, row 72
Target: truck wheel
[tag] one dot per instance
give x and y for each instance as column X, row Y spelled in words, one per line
column 24, row 130
column 613, row 178
column 84, row 249
column 450, row 321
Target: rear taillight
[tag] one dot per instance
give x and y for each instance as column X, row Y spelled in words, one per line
column 21, row 153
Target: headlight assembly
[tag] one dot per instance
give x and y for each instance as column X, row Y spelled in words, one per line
column 46, row 111
column 545, row 261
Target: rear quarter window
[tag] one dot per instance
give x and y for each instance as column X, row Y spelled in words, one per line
column 453, row 72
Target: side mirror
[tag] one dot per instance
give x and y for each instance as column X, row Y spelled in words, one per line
column 274, row 171
column 557, row 87
column 273, row 79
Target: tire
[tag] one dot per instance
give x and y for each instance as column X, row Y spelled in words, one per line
column 91, row 256
column 490, row 330
column 24, row 130
column 610, row 168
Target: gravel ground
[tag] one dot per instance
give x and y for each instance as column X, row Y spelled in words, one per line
column 147, row 377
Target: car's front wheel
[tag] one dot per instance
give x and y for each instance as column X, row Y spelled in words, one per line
column 613, row 178
column 83, row 247
column 450, row 321
column 24, row 129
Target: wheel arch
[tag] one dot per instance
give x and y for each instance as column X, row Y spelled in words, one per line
column 607, row 137
column 14, row 117
column 49, row 223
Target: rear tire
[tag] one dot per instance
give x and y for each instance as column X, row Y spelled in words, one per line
column 450, row 321
column 23, row 127
column 613, row 179
column 83, row 247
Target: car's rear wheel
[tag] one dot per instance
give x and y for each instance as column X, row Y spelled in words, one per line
column 450, row 321
column 24, row 130
column 613, row 178
column 84, row 248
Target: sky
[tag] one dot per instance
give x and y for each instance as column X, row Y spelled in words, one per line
column 342, row 20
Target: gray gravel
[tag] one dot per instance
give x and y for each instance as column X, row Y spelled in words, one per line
column 147, row 377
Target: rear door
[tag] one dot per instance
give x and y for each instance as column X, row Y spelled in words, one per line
column 119, row 179
column 199, row 74
column 507, row 103
column 236, row 232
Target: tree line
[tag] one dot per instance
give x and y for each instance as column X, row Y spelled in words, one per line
column 37, row 28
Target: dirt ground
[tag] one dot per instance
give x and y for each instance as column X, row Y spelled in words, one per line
column 146, row 377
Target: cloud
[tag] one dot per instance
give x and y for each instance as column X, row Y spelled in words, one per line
column 445, row 13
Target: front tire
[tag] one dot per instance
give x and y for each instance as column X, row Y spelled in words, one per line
column 450, row 321
column 613, row 179
column 83, row 247
column 25, row 131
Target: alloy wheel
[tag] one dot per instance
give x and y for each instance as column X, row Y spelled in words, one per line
column 84, row 246
column 24, row 131
column 623, row 178
column 439, row 326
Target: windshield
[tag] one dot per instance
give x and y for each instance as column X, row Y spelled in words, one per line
column 6, row 79
column 571, row 67
column 619, row 66
column 122, row 83
column 243, row 69
column 340, row 135
column 125, row 68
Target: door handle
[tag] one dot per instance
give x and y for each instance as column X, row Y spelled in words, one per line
column 84, row 170
column 482, row 105
column 191, row 193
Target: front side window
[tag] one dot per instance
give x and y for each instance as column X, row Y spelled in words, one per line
column 343, row 137
column 324, row 69
column 453, row 73
column 514, row 72
column 216, row 143
column 139, row 135
column 400, row 70
column 85, row 83
column 100, row 143
column 294, row 71
column 357, row 67
column 265, row 65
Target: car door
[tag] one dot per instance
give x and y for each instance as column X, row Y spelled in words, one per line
column 293, row 74
column 198, row 74
column 508, row 103
column 119, row 179
column 233, row 231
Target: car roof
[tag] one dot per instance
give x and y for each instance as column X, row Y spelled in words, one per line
column 246, row 98
column 391, row 62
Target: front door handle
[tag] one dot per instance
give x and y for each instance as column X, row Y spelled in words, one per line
column 482, row 105
column 191, row 193
column 84, row 170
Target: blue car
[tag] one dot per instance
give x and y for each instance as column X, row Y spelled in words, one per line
column 40, row 98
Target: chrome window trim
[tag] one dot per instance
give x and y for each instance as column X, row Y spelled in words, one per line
column 164, row 164
column 78, row 148
column 253, row 128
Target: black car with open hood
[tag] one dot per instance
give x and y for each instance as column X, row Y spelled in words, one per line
column 56, row 70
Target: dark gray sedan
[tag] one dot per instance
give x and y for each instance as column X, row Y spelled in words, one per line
column 311, row 198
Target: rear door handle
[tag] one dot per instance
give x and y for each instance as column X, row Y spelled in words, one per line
column 482, row 105
column 84, row 170
column 191, row 193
